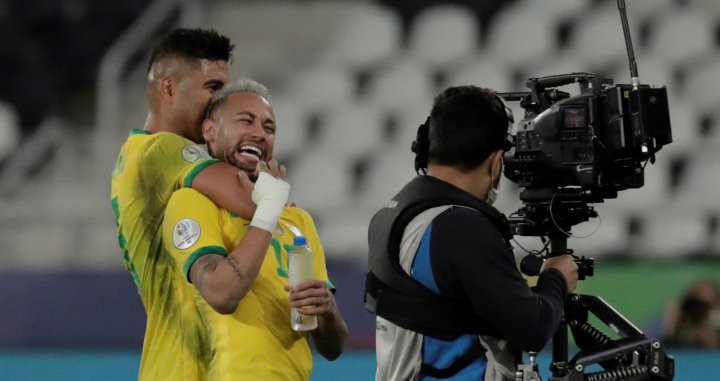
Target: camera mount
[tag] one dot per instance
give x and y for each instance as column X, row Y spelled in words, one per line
column 575, row 151
column 631, row 357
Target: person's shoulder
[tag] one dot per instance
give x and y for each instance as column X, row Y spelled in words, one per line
column 166, row 150
column 168, row 142
column 189, row 198
column 297, row 214
column 463, row 223
column 462, row 215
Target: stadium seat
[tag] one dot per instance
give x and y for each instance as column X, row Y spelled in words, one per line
column 701, row 180
column 401, row 83
column 702, row 84
column 485, row 71
column 686, row 37
column 519, row 36
column 9, row 130
column 710, row 7
column 291, row 120
column 672, row 235
column 321, row 86
column 344, row 232
column 442, row 34
column 408, row 121
column 549, row 11
column 652, row 11
column 351, row 130
column 320, row 181
column 366, row 35
column 35, row 246
column 389, row 172
column 598, row 39
column 685, row 126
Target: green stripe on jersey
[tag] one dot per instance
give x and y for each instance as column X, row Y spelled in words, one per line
column 199, row 253
column 191, row 176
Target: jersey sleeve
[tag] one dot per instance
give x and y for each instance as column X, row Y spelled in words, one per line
column 192, row 228
column 178, row 159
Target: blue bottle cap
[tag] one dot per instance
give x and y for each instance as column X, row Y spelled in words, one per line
column 300, row 240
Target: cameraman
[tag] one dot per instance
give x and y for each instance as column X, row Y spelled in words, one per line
column 479, row 311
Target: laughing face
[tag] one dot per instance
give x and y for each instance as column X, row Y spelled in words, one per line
column 242, row 132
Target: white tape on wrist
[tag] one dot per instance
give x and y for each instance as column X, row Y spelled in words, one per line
column 270, row 195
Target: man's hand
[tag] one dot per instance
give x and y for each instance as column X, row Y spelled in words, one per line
column 270, row 194
column 272, row 167
column 313, row 298
column 567, row 267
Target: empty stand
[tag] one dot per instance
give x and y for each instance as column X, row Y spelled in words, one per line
column 366, row 34
column 443, row 34
column 686, row 37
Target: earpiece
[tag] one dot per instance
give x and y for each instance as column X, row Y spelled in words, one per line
column 509, row 141
column 421, row 147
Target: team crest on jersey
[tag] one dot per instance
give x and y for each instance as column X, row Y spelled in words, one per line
column 194, row 152
column 186, row 233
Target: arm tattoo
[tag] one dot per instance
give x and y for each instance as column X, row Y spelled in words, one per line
column 235, row 266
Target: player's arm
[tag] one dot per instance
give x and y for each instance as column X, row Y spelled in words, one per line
column 224, row 281
column 228, row 187
column 315, row 298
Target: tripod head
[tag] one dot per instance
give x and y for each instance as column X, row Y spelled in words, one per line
column 553, row 219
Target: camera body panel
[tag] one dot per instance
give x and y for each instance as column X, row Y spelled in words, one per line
column 597, row 141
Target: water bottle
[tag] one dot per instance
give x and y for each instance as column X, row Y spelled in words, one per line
column 300, row 266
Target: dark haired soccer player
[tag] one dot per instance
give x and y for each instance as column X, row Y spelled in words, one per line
column 457, row 249
column 185, row 69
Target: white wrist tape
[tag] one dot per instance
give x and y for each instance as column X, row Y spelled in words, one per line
column 270, row 195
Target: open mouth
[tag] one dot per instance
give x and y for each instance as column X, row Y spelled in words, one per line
column 250, row 151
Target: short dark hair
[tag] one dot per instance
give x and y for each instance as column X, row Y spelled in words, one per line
column 467, row 123
column 192, row 44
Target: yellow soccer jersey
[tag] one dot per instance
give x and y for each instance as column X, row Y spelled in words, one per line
column 256, row 342
column 149, row 168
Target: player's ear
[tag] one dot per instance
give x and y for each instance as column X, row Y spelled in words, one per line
column 167, row 89
column 208, row 130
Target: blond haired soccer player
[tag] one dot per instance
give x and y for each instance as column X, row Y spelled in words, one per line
column 185, row 69
column 239, row 267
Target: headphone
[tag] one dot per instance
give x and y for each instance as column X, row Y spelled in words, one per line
column 421, row 145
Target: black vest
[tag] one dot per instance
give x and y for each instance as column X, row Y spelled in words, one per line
column 393, row 294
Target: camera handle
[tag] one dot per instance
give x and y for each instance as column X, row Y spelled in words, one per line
column 537, row 86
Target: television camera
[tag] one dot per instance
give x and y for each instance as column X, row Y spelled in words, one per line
column 569, row 152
